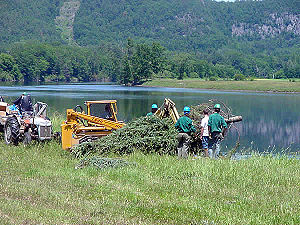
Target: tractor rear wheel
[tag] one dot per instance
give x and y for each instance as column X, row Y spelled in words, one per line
column 12, row 131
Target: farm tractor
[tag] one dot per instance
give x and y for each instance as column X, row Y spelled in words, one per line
column 24, row 127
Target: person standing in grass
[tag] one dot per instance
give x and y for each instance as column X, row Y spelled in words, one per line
column 204, row 134
column 185, row 127
column 217, row 128
column 153, row 110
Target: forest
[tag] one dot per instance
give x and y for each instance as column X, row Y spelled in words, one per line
column 133, row 41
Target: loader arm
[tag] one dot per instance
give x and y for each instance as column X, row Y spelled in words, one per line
column 168, row 109
column 72, row 116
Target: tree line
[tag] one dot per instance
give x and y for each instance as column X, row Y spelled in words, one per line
column 137, row 62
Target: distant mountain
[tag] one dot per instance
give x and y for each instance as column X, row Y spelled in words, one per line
column 189, row 25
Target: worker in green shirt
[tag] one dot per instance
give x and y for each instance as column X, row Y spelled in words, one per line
column 153, row 110
column 217, row 128
column 185, row 127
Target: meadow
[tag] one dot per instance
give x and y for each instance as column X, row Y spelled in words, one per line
column 261, row 85
column 41, row 184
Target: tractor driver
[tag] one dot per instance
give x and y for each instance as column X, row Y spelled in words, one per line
column 106, row 114
column 24, row 103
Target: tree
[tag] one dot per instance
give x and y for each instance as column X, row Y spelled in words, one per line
column 9, row 70
column 127, row 72
column 157, row 58
column 142, row 65
column 141, row 61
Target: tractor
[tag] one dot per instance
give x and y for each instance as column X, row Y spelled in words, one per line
column 26, row 126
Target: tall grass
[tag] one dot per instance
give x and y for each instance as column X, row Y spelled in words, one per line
column 40, row 185
column 56, row 120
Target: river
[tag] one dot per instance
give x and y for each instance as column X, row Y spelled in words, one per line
column 270, row 121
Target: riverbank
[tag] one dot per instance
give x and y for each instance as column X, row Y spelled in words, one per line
column 40, row 185
column 261, row 85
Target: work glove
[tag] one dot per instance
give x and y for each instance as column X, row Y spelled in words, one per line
column 221, row 136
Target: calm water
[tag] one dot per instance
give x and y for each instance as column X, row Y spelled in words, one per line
column 269, row 120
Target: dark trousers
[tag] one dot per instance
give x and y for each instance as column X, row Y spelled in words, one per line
column 214, row 145
column 184, row 141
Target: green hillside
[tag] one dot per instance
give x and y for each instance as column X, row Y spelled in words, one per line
column 28, row 19
column 176, row 24
column 190, row 24
column 136, row 40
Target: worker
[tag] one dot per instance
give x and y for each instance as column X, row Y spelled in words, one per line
column 185, row 127
column 204, row 134
column 1, row 99
column 217, row 128
column 153, row 110
column 24, row 103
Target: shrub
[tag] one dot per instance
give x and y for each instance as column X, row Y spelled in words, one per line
column 213, row 78
column 239, row 77
column 166, row 74
column 194, row 75
column 6, row 76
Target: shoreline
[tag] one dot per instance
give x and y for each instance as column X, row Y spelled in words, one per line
column 229, row 90
column 186, row 86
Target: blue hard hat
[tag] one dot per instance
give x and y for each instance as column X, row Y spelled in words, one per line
column 217, row 106
column 154, row 106
column 186, row 109
column 24, row 93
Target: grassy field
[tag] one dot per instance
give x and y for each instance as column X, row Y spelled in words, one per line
column 256, row 85
column 40, row 185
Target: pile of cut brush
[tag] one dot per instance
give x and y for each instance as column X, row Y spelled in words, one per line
column 148, row 135
column 197, row 115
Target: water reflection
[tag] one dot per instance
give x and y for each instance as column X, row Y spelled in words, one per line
column 269, row 119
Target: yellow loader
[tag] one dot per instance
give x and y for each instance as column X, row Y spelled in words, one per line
column 99, row 120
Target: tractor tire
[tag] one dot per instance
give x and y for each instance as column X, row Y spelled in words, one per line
column 27, row 138
column 12, row 131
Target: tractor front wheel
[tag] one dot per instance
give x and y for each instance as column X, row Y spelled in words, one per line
column 12, row 131
column 27, row 137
